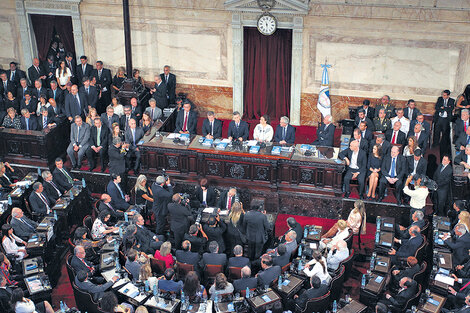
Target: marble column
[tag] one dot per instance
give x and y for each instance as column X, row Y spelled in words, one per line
column 296, row 70
column 237, row 44
column 25, row 35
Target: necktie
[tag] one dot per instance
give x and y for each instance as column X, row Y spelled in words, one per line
column 88, row 91
column 27, row 123
column 109, row 121
column 468, row 140
column 99, row 74
column 44, row 124
column 37, row 69
column 152, row 113
column 54, row 93
column 78, row 134
column 55, row 187
column 67, row 175
column 83, row 69
column 45, row 201
column 410, row 114
column 78, row 104
column 98, row 135
column 229, row 205
column 185, row 124
column 417, row 136
column 12, row 77
column 27, row 224
column 392, row 171
column 212, row 128
column 465, row 286
column 127, row 121
column 120, row 191
column 443, row 168
column 166, row 79
column 133, row 136
column 89, row 267
column 284, row 133
column 5, row 86
column 394, row 137
column 445, row 103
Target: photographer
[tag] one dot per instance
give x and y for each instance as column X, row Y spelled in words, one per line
column 162, row 191
column 215, row 229
column 180, row 218
column 198, row 243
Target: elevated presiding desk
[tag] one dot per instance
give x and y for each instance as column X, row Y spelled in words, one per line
column 275, row 167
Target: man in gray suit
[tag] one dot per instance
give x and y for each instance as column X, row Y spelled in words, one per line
column 153, row 111
column 132, row 136
column 22, row 226
column 79, row 141
column 82, row 282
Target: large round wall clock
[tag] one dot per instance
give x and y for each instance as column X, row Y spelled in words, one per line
column 267, row 24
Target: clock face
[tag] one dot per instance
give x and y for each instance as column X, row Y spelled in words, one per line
column 267, row 24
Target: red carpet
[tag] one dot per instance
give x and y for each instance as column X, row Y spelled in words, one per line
column 63, row 291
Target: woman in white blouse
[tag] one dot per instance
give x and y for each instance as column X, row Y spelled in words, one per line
column 9, row 241
column 99, row 229
column 118, row 108
column 25, row 305
column 42, row 104
column 319, row 268
column 263, row 131
column 63, row 75
column 341, row 234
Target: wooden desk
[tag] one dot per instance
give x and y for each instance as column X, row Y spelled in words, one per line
column 32, row 266
column 105, row 257
column 387, row 224
column 373, row 285
column 259, row 303
column 447, row 258
column 162, row 305
column 353, row 307
column 386, row 239
column 314, row 233
column 432, row 308
column 380, row 268
column 442, row 223
column 132, row 293
column 290, row 286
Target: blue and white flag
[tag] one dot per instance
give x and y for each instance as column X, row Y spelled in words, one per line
column 324, row 102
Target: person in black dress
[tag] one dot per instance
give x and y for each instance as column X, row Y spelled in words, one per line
column 234, row 233
column 118, row 79
column 215, row 229
column 143, row 195
column 205, row 195
column 373, row 165
column 146, row 122
column 11, row 102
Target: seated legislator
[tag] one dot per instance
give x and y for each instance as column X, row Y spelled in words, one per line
column 227, row 199
column 11, row 120
column 28, row 121
column 75, row 104
column 6, row 180
column 98, row 144
column 405, row 123
column 381, row 122
column 238, row 260
column 463, row 140
column 38, row 200
column 146, row 122
column 21, row 304
column 51, row 190
column 341, row 234
column 23, row 226
column 99, row 229
column 420, row 120
column 374, row 163
column 125, row 118
column 132, row 264
column 9, row 243
column 29, row 103
column 409, row 270
column 325, row 133
column 148, row 241
column 366, row 132
column 411, row 112
column 221, row 286
column 119, row 200
column 363, row 143
column 395, row 136
column 295, row 226
column 186, row 256
column 384, row 144
column 109, row 118
column 238, row 129
column 421, row 137
column 282, row 258
column 54, row 110
column 269, row 272
column 417, row 164
column 356, row 161
column 168, row 283
column 407, row 247
column 361, row 117
column 464, row 159
column 105, row 204
column 133, row 136
column 246, row 281
column 164, row 254
column 62, row 177
column 285, row 132
column 154, row 112
column 462, row 123
column 96, row 291
column 408, row 288
column 319, row 267
column 317, row 290
column 393, row 170
column 5, row 294
column 211, row 127
column 186, row 120
column 213, row 257
column 417, row 219
column 79, row 141
column 409, row 149
column 263, row 132
column 337, row 254
column 205, row 194
column 459, row 245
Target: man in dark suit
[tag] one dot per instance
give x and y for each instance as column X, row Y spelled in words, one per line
column 325, row 133
column 62, row 177
column 36, row 71
column 29, row 103
column 238, row 260
column 459, row 298
column 6, row 85
column 393, row 169
column 443, row 177
column 408, row 288
column 368, row 110
column 412, row 267
column 205, row 195
column 256, row 227
column 23, row 88
column 417, row 219
column 44, row 120
column 186, row 120
column 170, row 82
column 361, row 117
column 186, row 256
column 162, row 191
column 211, row 127
column 246, row 281
column 133, row 136
column 119, row 200
column 90, row 92
column 109, row 118
column 295, row 226
column 395, row 135
column 96, row 291
column 408, row 247
column 227, row 199
column 317, row 290
column 384, row 144
column 237, row 129
column 57, row 94
column 421, row 137
column 462, row 123
column 22, row 226
column 71, row 63
column 75, row 104
column 103, row 83
column 98, row 144
column 51, row 190
column 28, row 122
column 83, row 69
column 213, row 257
column 148, row 241
column 366, row 132
column 38, row 201
column 269, row 272
column 363, row 143
column 459, row 245
column 198, row 243
column 54, row 110
column 356, row 161
column 464, row 158
column 442, row 118
column 79, row 263
column 159, row 93
column 285, row 133
column 125, row 118
column 282, row 257
column 463, row 141
column 417, row 164
column 424, row 124
column 180, row 218
column 411, row 112
column 105, row 205
column 136, row 110
column 5, row 296
column 14, row 74
column 38, row 90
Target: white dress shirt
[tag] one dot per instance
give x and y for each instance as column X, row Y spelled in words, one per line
column 418, row 196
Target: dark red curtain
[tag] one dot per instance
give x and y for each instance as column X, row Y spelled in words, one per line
column 267, row 73
column 44, row 26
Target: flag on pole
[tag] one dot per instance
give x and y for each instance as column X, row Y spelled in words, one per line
column 324, row 102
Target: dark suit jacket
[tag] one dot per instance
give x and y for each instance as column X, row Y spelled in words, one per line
column 50, row 192
column 425, row 125
column 440, row 107
column 105, row 80
column 115, row 214
column 160, row 95
column 5, row 297
column 31, row 106
column 213, row 259
column 217, row 129
column 49, row 120
column 461, row 141
column 462, row 157
column 211, row 197
column 136, row 112
column 243, row 283
column 409, row 246
column 420, row 168
column 361, row 159
column 117, row 201
column 180, row 217
column 80, row 74
column 400, row 299
column 408, row 272
column 188, row 257
column 104, row 120
column 459, row 127
column 139, row 134
column 61, row 180
column 400, row 169
column 401, row 139
column 406, row 112
column 170, row 86
column 21, row 229
column 33, row 74
column 422, row 140
column 144, row 237
column 216, row 234
column 37, row 93
column 32, row 122
column 443, row 179
column 385, row 147
column 19, row 74
column 10, row 87
column 191, row 124
column 51, row 111
column 256, row 226
column 238, row 261
column 363, row 145
column 104, row 136
column 223, row 200
column 91, row 96
column 96, row 291
column 370, row 112
column 281, row 260
column 124, row 122
column 311, row 293
column 369, row 123
column 290, row 134
column 267, row 276
column 20, row 92
column 459, row 247
column 117, row 161
column 324, row 137
column 241, row 131
column 71, row 107
column 38, row 205
column 162, row 197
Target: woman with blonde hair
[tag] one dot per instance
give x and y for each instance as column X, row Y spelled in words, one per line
column 146, row 274
column 410, row 148
column 464, row 218
column 235, row 233
column 356, row 220
column 90, row 118
column 115, row 132
column 164, row 254
column 118, row 79
column 341, row 234
column 143, row 194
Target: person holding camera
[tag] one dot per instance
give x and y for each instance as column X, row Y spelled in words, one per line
column 215, row 229
column 180, row 218
column 198, row 243
column 162, row 191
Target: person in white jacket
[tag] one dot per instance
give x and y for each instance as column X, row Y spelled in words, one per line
column 9, row 241
column 337, row 254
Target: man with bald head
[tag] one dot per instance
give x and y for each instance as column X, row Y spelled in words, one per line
column 394, row 168
column 22, row 226
column 75, row 104
column 325, row 132
column 36, row 71
column 356, row 162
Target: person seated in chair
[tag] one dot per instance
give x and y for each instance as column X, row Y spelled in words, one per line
column 282, row 258
column 238, row 260
column 460, row 245
column 23, row 226
column 96, row 291
column 317, row 290
column 148, row 241
column 5, row 296
column 465, row 308
column 38, row 200
column 325, row 133
column 238, row 129
column 211, row 127
column 408, row 288
column 295, row 226
column 285, row 133
column 417, row 219
column 168, row 283
column 186, row 256
column 269, row 272
column 341, row 234
column 91, row 246
column 221, row 286
column 412, row 267
column 51, row 190
column 246, row 281
column 393, row 170
column 79, row 263
column 62, row 177
column 356, row 162
column 337, row 254
column 105, row 204
column 213, row 257
column 408, row 247
column 119, row 200
column 132, row 265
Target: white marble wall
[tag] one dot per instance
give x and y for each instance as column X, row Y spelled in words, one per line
column 10, row 45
